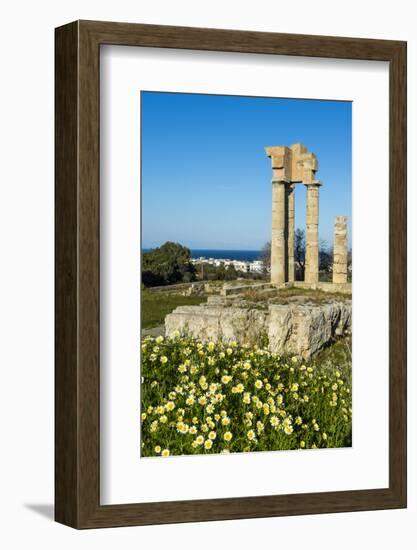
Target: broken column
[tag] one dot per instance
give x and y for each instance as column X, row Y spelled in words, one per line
column 311, row 273
column 340, row 250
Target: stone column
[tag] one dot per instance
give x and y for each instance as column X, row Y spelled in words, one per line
column 311, row 275
column 290, row 236
column 340, row 250
column 278, row 241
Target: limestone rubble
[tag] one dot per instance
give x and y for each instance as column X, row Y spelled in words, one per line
column 296, row 329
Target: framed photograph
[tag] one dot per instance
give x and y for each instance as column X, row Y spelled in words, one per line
column 230, row 274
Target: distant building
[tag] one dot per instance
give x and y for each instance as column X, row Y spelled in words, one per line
column 256, row 266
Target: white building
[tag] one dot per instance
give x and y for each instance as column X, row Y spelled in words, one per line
column 256, row 266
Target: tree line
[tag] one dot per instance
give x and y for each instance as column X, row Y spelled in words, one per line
column 166, row 265
column 325, row 256
column 171, row 263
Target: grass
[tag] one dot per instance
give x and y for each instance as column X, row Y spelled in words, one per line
column 212, row 398
column 245, row 282
column 154, row 306
column 338, row 355
column 315, row 296
column 284, row 295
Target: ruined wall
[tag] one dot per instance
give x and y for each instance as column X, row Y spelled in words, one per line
column 296, row 329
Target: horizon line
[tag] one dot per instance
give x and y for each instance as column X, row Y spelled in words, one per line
column 212, row 248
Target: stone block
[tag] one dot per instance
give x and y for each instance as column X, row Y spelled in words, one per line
column 292, row 329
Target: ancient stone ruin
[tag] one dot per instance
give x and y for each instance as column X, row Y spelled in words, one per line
column 299, row 329
column 291, row 165
column 299, row 326
column 340, row 250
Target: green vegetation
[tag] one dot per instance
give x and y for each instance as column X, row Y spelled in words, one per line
column 218, row 398
column 310, row 295
column 155, row 305
column 167, row 265
column 325, row 258
column 290, row 295
column 253, row 279
column 210, row 272
column 338, row 355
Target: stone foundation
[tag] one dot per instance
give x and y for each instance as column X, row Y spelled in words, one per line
column 343, row 288
column 306, row 329
column 294, row 329
column 239, row 289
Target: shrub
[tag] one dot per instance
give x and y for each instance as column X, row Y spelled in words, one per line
column 166, row 265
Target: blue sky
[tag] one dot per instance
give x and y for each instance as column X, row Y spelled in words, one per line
column 206, row 181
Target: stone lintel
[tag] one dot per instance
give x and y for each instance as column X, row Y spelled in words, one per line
column 298, row 148
column 294, row 163
column 280, row 179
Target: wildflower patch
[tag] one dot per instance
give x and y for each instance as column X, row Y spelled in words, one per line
column 205, row 398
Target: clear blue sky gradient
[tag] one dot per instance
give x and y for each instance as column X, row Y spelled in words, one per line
column 206, row 181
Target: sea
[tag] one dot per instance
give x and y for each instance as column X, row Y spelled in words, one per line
column 239, row 255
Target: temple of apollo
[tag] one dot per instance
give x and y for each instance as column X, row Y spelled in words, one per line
column 299, row 327
column 292, row 165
